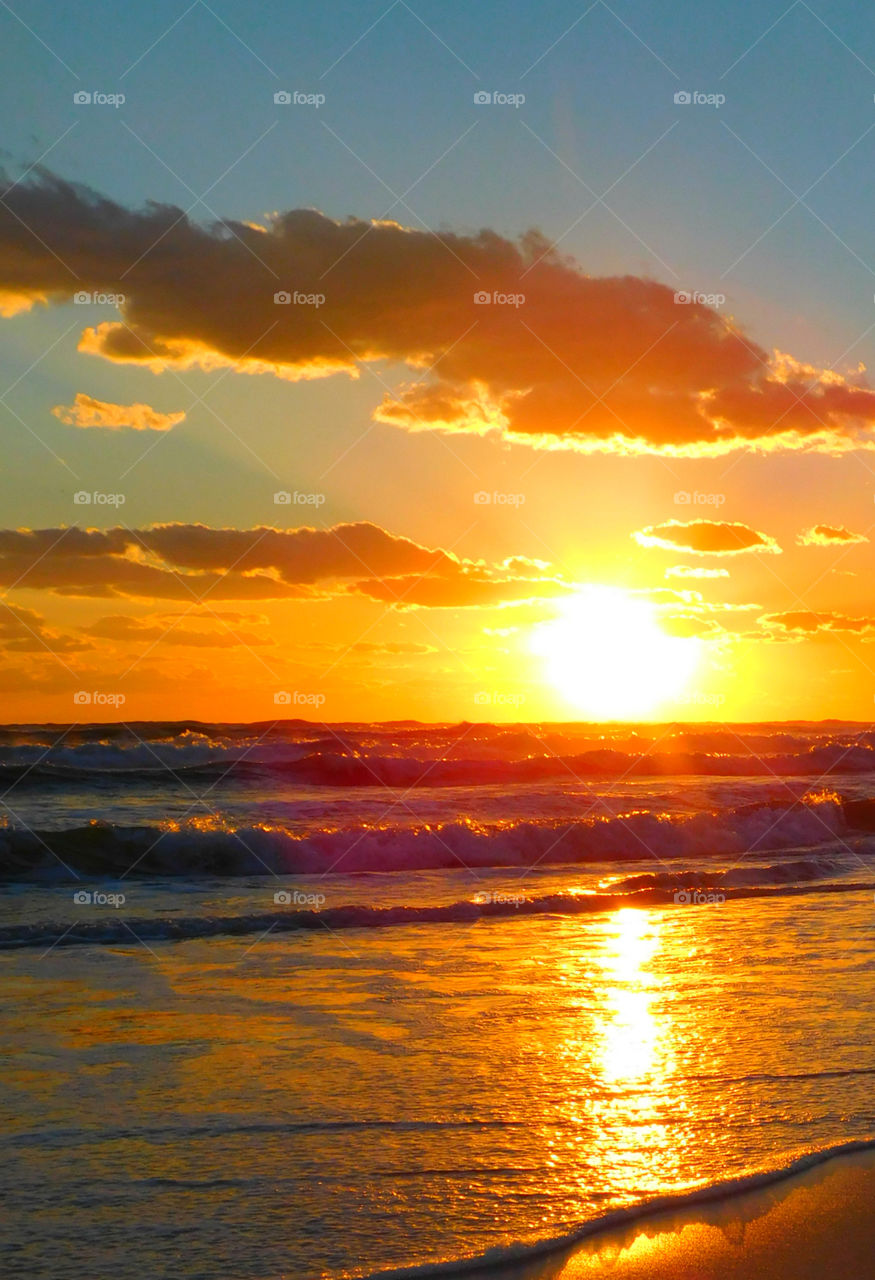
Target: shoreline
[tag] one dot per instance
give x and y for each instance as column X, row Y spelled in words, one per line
column 650, row 1239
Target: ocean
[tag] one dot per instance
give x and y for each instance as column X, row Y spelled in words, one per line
column 330, row 1001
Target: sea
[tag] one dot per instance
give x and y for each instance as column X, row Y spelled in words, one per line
column 324, row 1001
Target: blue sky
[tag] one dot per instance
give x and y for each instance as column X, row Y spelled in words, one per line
column 399, row 97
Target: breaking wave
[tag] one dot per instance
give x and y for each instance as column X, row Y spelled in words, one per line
column 411, row 755
column 837, row 1241
column 293, row 912
column 102, row 848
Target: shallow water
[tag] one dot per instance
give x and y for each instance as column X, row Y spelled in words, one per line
column 411, row 1066
column 326, row 1103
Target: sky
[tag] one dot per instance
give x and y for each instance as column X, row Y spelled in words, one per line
column 437, row 361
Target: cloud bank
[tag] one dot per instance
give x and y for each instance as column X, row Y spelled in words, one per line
column 191, row 562
column 497, row 333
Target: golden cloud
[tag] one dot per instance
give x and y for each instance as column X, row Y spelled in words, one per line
column 808, row 622
column 465, row 590
column 124, row 629
column 706, row 538
column 191, row 562
column 694, row 571
column 827, row 535
column 25, row 631
column 688, row 625
column 85, row 411
column 527, row 343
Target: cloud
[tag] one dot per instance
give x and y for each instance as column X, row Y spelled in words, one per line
column 827, row 535
column 691, row 571
column 398, row 648
column 571, row 361
column 191, row 562
column 12, row 304
column 122, row 628
column 706, row 538
column 807, row 622
column 85, row 411
column 24, row 631
column 469, row 589
column 688, row 614
column 687, row 625
column 225, row 615
column 113, row 563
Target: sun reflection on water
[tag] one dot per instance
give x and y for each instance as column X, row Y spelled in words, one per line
column 621, row 1057
column 637, row 1104
column 631, row 1040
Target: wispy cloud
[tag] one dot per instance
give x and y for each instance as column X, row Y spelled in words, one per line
column 85, row 411
column 827, row 535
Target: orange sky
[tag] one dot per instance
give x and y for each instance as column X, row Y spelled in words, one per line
column 469, row 440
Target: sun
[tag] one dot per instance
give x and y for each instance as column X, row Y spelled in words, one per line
column 608, row 657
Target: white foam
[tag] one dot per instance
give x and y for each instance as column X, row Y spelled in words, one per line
column 810, row 1220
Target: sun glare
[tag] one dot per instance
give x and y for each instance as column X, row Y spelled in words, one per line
column 609, row 658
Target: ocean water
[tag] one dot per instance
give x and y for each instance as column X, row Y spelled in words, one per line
column 295, row 1000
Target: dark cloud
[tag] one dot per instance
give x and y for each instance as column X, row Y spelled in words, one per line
column 610, row 363
column 192, row 562
column 122, row 628
column 25, row 631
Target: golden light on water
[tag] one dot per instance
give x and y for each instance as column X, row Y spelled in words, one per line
column 630, row 1034
column 608, row 657
column 626, row 1048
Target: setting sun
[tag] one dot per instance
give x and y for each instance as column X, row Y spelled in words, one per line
column 437, row 618
column 609, row 658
